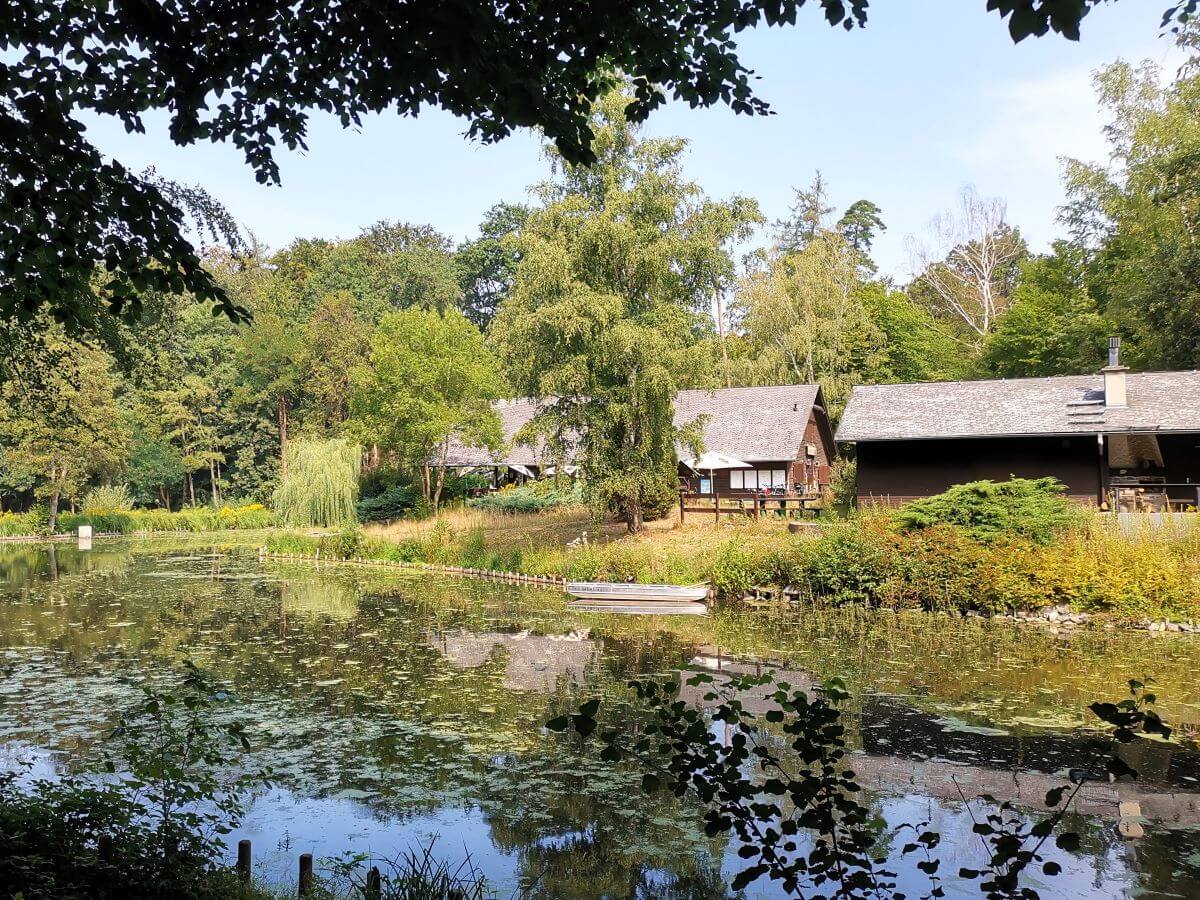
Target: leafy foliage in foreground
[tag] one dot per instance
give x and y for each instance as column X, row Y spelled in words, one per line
column 151, row 829
column 793, row 802
column 1033, row 508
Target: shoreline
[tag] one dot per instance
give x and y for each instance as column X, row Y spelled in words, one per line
column 1057, row 618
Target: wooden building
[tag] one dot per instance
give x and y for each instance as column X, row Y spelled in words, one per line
column 1117, row 439
column 782, row 433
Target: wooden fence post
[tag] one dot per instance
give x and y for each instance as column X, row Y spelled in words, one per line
column 306, row 874
column 374, row 884
column 243, row 860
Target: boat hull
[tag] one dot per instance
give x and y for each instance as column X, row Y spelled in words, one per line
column 640, row 608
column 645, row 593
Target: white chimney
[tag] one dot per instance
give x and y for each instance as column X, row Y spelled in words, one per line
column 1115, row 393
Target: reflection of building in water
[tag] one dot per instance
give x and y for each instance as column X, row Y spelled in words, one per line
column 901, row 748
column 536, row 662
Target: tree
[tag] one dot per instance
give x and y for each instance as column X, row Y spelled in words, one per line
column 250, row 73
column 155, row 466
column 1052, row 327
column 969, row 267
column 806, row 219
column 914, row 347
column 61, row 437
column 429, row 382
column 858, row 226
column 321, row 483
column 1136, row 220
column 611, row 298
column 487, row 263
column 336, row 340
column 803, row 320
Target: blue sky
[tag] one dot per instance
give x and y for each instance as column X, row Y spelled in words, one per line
column 929, row 97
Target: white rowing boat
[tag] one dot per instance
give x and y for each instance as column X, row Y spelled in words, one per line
column 611, row 590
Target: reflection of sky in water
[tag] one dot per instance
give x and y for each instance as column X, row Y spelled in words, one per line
column 397, row 710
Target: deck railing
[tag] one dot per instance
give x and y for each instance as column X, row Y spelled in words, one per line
column 753, row 506
column 1152, row 496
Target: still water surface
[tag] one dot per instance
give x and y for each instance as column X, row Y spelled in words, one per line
column 399, row 709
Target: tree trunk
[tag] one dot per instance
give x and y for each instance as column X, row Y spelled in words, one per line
column 54, row 510
column 164, row 498
column 441, row 479
column 425, row 481
column 721, row 333
column 634, row 521
column 213, row 477
column 192, row 490
column 283, row 435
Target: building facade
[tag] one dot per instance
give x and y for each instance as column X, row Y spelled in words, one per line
column 782, row 433
column 1115, row 439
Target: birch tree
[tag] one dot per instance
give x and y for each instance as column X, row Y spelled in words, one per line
column 804, row 320
column 969, row 265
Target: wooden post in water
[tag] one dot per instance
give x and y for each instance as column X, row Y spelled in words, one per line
column 306, row 874
column 243, row 860
column 374, row 884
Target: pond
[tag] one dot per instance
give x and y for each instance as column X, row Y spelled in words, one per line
column 401, row 709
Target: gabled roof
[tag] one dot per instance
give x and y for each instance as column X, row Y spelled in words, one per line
column 751, row 424
column 1061, row 405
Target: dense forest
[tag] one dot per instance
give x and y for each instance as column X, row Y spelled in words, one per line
column 614, row 286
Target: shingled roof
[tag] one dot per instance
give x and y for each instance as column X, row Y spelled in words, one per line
column 751, row 424
column 1061, row 405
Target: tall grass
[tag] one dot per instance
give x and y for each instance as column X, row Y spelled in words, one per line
column 321, row 485
column 867, row 561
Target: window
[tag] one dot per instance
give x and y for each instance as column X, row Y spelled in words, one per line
column 754, row 479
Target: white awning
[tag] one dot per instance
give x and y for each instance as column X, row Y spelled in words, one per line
column 709, row 461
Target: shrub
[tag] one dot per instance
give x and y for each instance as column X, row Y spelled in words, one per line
column 23, row 524
column 534, row 496
column 737, row 569
column 991, row 510
column 291, row 543
column 106, row 499
column 849, row 564
column 396, row 502
column 343, row 545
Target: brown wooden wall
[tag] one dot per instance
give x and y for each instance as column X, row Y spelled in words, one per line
column 891, row 472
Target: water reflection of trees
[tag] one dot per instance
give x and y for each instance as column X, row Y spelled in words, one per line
column 422, row 693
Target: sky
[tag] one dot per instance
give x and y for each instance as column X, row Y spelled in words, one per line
column 932, row 96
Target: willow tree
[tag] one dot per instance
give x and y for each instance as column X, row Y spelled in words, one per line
column 609, row 307
column 321, row 484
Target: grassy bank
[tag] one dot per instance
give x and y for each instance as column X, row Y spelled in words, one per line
column 871, row 560
column 140, row 521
